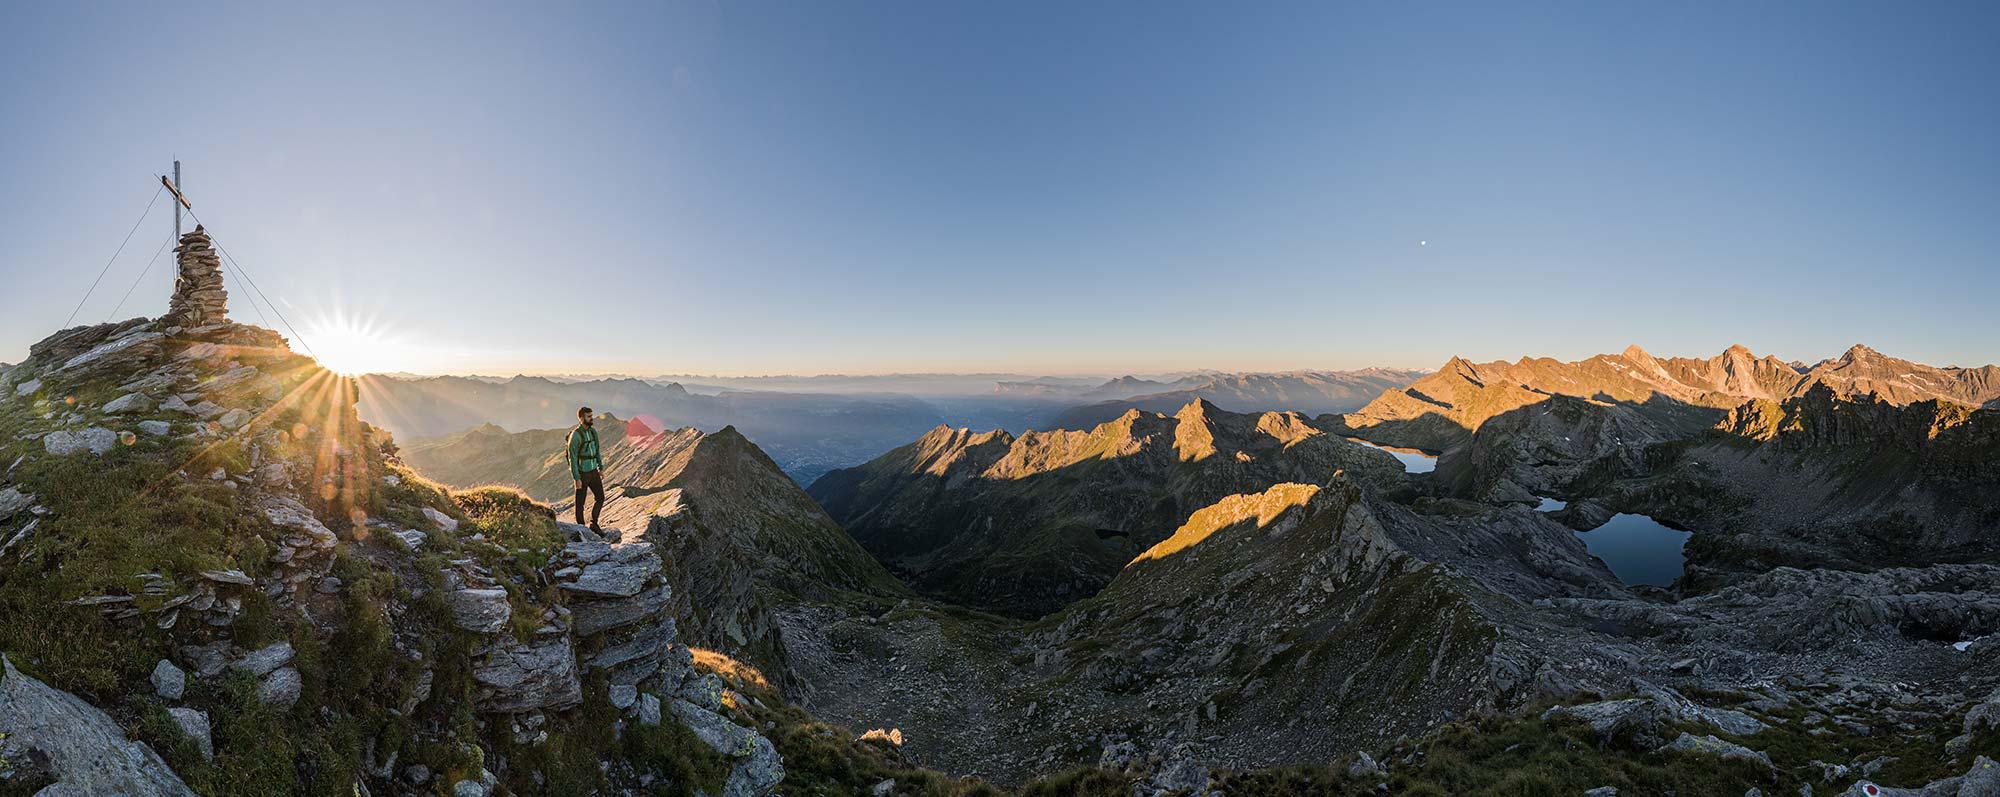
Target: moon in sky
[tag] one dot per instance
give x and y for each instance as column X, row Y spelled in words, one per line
column 1423, row 243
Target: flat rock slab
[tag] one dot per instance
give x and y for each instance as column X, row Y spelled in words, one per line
column 86, row 750
column 95, row 440
column 483, row 611
column 515, row 677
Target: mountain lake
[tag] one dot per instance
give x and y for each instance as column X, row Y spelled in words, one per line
column 1638, row 549
column 1414, row 461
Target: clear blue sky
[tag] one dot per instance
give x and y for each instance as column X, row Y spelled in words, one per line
column 882, row 186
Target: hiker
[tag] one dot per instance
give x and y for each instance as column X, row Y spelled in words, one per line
column 586, row 467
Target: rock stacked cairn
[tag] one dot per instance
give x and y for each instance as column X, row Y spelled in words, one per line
column 199, row 299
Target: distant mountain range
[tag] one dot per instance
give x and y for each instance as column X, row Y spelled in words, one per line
column 1309, row 392
column 1857, row 461
column 807, row 433
column 813, row 424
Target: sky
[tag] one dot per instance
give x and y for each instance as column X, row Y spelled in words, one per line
column 1059, row 188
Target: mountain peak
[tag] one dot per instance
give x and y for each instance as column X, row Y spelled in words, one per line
column 1633, row 352
column 1738, row 349
column 1859, row 352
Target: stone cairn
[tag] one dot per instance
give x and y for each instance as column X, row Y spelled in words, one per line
column 199, row 299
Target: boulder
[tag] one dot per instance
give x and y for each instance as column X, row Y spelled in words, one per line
column 130, row 402
column 598, row 616
column 483, row 611
column 169, row 682
column 514, row 676
column 156, row 428
column 281, row 687
column 95, row 440
column 714, row 730
column 227, row 577
column 758, row 768
column 649, row 709
column 442, row 520
column 265, row 660
column 1709, row 745
column 86, row 751
column 12, row 501
column 621, row 573
column 137, row 343
column 194, row 725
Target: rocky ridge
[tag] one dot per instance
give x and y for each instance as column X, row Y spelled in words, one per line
column 196, row 524
column 1025, row 525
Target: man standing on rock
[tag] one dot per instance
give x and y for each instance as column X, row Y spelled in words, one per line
column 586, row 467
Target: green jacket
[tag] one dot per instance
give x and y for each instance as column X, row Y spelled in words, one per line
column 583, row 456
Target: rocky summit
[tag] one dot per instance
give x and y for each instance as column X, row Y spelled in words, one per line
column 217, row 580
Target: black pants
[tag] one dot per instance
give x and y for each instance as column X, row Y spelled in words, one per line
column 591, row 482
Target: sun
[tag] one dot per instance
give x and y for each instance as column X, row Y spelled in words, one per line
column 352, row 347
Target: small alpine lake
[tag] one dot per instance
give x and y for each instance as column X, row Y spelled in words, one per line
column 1639, row 549
column 1414, row 461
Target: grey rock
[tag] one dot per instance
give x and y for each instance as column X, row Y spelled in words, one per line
column 288, row 512
column 12, row 501
column 758, row 774
column 442, row 520
column 136, row 339
column 1709, row 745
column 234, row 419
column 623, row 696
column 883, row 789
column 704, row 691
column 515, row 676
column 208, row 660
column 638, row 657
column 86, row 751
column 130, row 402
column 95, row 440
column 227, row 577
column 169, row 682
column 621, row 573
column 156, row 428
column 265, row 660
column 649, row 709
column 725, row 737
column 759, row 768
column 1602, row 791
column 483, row 611
column 27, row 388
column 194, row 725
column 281, row 687
column 1365, row 766
column 595, row 617
column 468, row 788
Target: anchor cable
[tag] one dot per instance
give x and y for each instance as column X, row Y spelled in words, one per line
column 114, row 255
